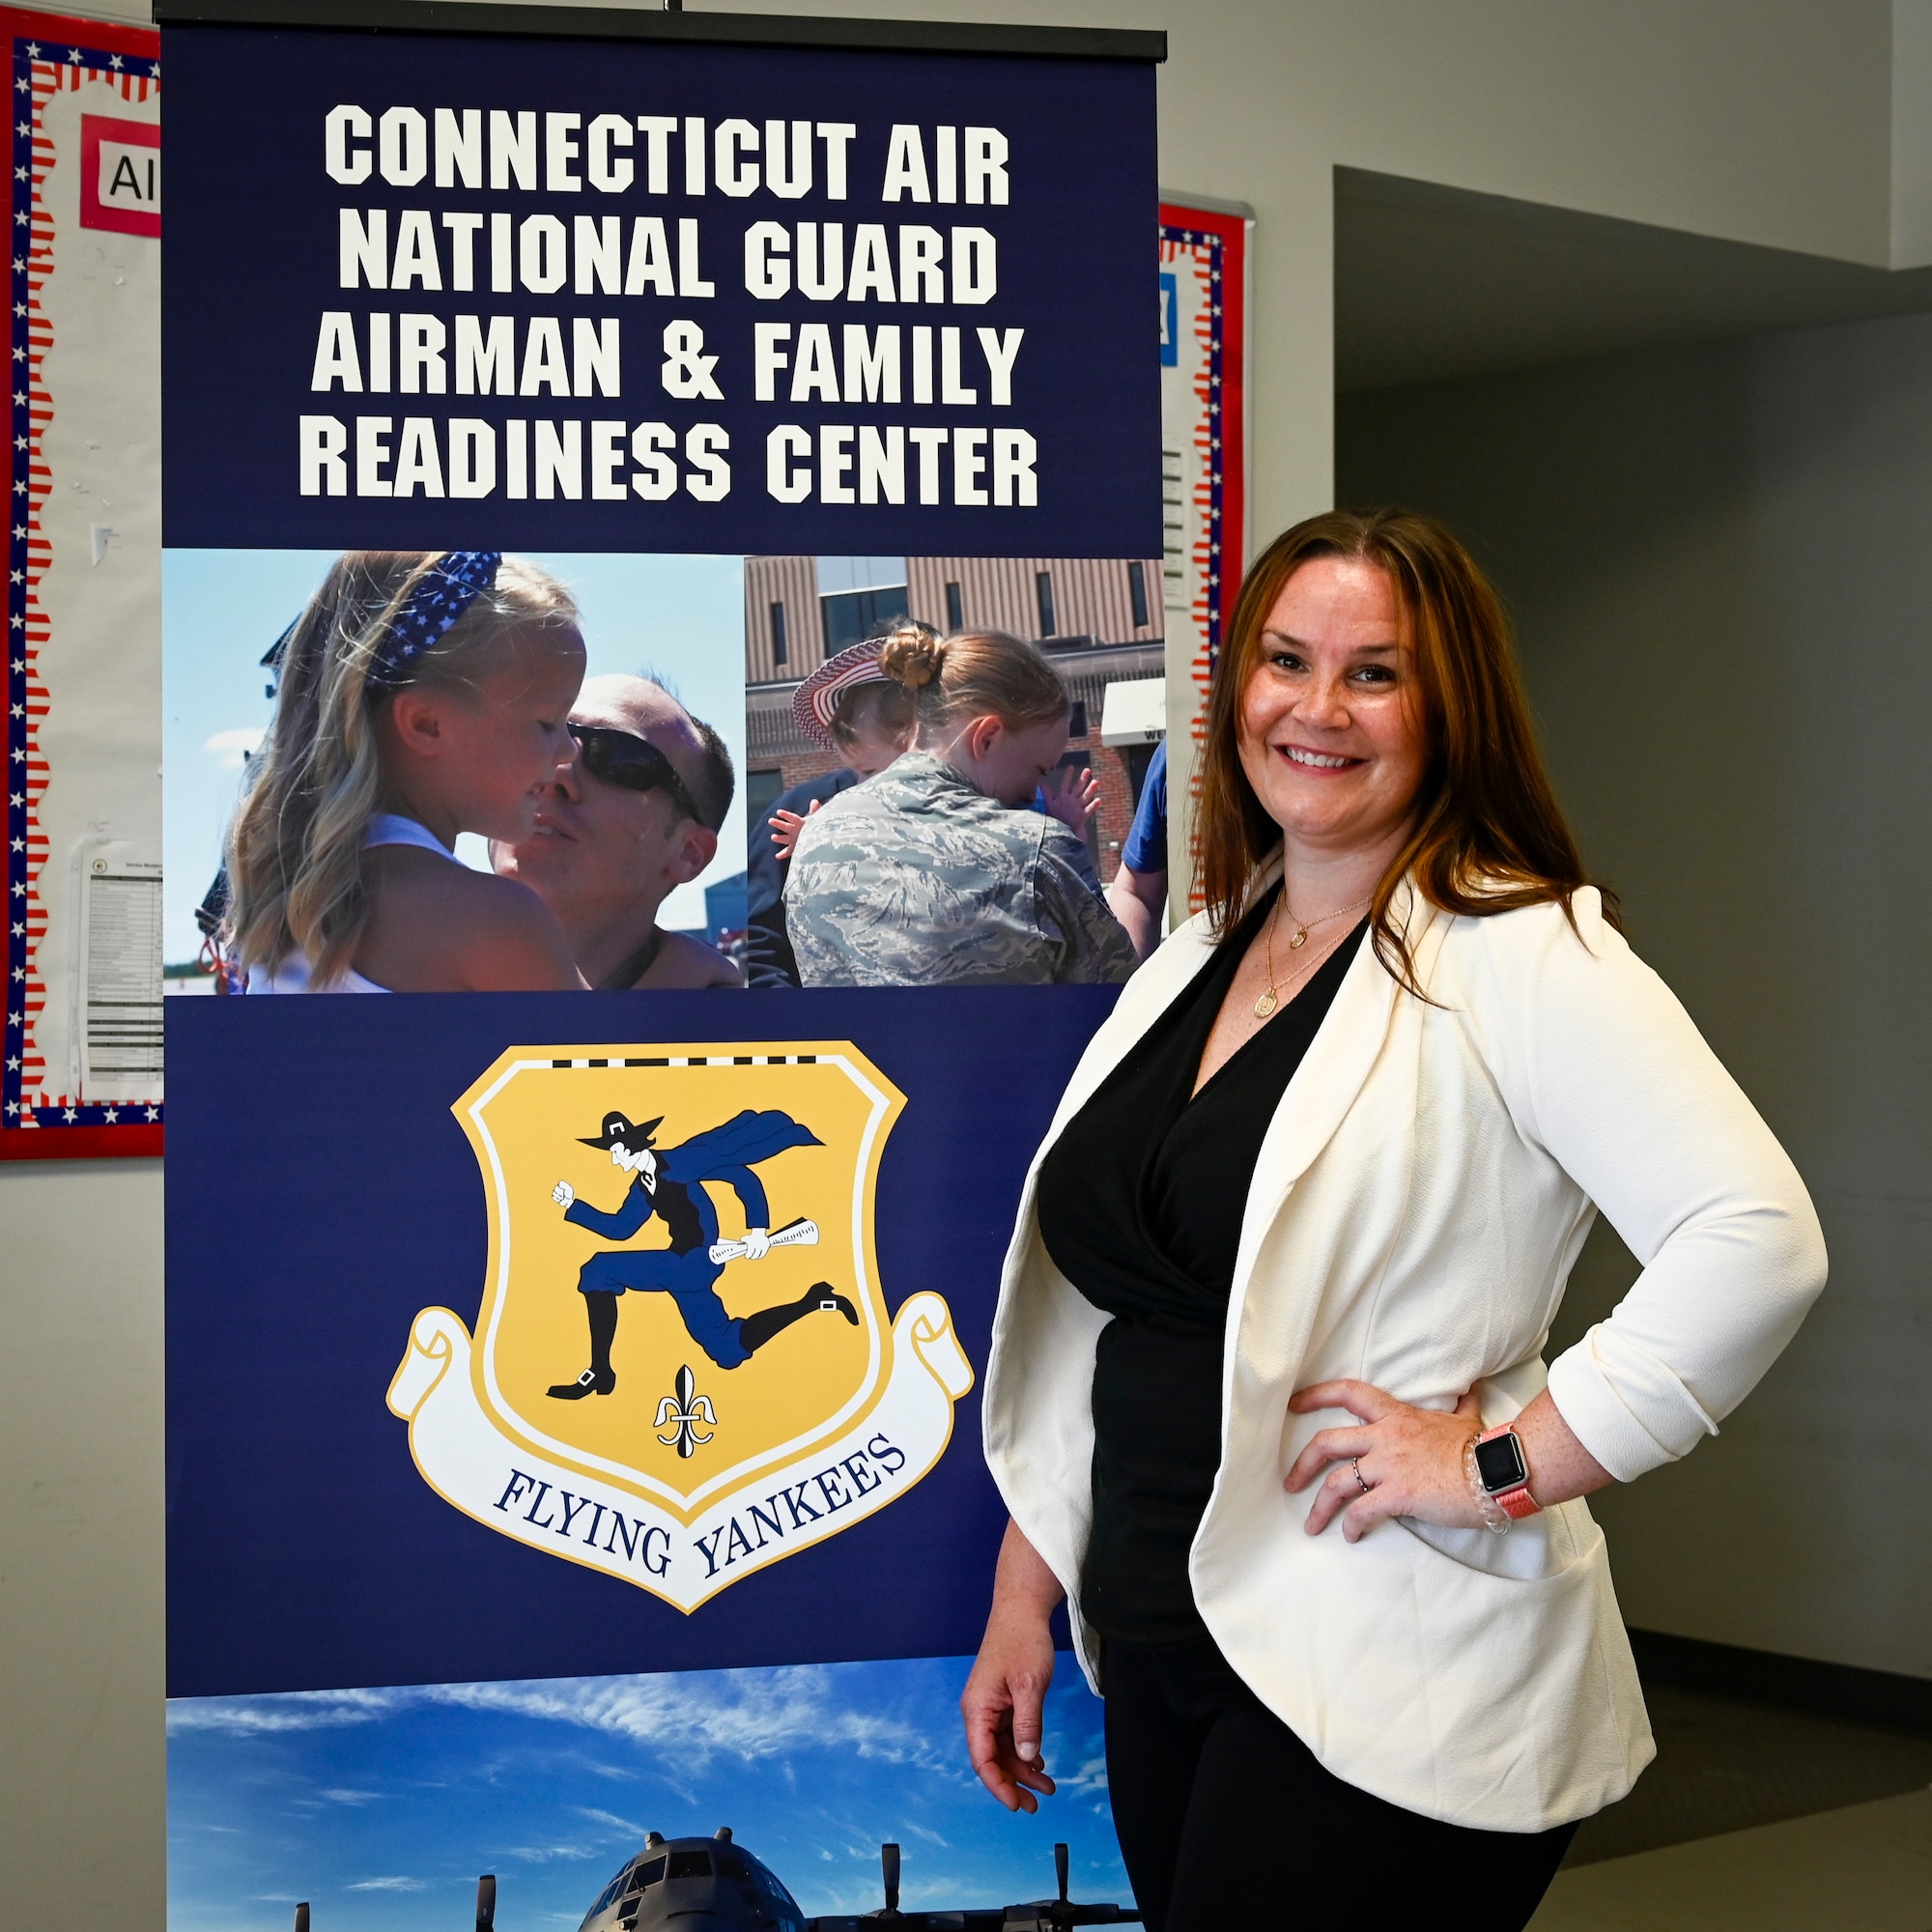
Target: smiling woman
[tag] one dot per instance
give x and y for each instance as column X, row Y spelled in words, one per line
column 1291, row 1254
column 1374, row 651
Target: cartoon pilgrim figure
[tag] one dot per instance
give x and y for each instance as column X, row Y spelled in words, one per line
column 668, row 1182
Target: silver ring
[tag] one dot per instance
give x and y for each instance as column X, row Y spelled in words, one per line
column 1357, row 1467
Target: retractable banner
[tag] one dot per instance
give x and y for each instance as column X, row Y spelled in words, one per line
column 534, row 1353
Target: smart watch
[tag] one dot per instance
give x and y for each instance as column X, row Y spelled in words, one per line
column 1503, row 1471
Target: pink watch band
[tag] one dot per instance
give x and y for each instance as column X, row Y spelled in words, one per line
column 1517, row 1502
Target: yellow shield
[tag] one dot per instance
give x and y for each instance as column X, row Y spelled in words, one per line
column 683, row 1366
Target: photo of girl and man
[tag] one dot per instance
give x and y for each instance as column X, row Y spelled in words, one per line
column 452, row 771
column 472, row 771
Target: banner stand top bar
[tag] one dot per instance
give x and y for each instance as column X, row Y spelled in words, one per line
column 615, row 24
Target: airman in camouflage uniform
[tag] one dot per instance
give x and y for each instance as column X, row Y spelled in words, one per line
column 916, row 878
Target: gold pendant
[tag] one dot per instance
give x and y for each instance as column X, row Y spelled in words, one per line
column 1266, row 1003
column 1299, row 940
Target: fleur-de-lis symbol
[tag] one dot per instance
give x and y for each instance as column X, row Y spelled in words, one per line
column 683, row 1411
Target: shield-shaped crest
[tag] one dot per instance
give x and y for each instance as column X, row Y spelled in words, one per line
column 684, row 1365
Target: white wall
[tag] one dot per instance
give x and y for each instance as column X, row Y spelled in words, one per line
column 1911, row 133
column 1767, row 120
column 1763, row 120
column 1718, row 561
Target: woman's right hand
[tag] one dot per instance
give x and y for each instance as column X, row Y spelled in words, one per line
column 1003, row 1702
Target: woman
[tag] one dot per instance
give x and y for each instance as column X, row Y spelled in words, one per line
column 1295, row 1240
column 931, row 874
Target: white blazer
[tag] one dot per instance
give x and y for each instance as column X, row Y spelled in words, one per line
column 1420, row 1197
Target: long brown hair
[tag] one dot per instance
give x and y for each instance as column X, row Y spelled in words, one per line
column 1488, row 835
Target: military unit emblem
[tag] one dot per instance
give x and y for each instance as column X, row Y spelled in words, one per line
column 684, row 1370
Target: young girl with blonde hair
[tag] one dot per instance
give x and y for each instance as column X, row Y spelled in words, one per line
column 422, row 695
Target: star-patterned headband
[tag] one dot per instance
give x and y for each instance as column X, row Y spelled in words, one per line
column 444, row 592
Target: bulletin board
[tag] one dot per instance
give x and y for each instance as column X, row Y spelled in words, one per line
column 82, row 1072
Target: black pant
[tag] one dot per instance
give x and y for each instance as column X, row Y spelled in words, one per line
column 1226, row 1819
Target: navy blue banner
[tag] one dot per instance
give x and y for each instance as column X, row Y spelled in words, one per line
column 321, row 1194
column 442, row 292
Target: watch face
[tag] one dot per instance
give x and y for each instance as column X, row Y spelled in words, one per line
column 1499, row 1462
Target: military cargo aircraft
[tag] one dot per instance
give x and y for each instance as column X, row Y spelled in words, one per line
column 725, row 1888
column 716, row 1885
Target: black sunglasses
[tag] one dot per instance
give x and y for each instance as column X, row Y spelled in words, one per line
column 621, row 758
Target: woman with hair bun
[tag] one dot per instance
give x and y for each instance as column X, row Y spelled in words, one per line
column 933, row 873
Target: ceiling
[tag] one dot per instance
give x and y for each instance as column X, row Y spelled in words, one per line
column 1437, row 282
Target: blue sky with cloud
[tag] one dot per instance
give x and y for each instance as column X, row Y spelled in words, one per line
column 382, row 1807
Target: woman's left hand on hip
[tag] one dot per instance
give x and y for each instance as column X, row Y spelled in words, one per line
column 1400, row 1462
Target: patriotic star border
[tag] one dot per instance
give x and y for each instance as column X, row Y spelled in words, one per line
column 66, row 1128
column 1217, row 245
column 1218, row 555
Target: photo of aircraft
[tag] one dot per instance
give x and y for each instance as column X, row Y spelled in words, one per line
column 716, row 1885
column 725, row 1888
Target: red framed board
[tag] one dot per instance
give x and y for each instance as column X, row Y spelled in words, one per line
column 82, row 1065
column 1205, row 252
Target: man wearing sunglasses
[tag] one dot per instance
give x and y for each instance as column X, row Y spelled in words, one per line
column 634, row 815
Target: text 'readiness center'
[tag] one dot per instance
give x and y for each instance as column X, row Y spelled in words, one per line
column 646, row 274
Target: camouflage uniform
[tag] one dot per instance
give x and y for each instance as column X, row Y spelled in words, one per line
column 915, row 879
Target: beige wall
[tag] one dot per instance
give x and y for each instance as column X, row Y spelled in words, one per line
column 1760, row 120
column 1716, row 558
column 82, row 1821
column 1763, row 120
column 793, row 581
column 1092, row 598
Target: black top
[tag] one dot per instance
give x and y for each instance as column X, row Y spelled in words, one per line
column 1140, row 1205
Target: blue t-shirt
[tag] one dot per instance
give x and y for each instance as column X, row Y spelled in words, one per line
column 1146, row 849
